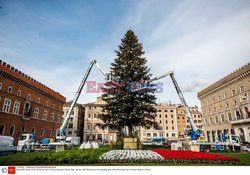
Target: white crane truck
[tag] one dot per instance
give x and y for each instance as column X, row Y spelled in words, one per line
column 227, row 143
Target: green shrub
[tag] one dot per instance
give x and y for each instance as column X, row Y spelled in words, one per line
column 73, row 156
column 147, row 147
column 118, row 145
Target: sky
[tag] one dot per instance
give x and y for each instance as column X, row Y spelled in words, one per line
column 54, row 41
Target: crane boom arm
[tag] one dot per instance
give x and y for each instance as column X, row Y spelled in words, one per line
column 78, row 92
column 77, row 95
column 183, row 101
column 178, row 90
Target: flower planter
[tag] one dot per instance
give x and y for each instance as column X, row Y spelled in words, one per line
column 131, row 156
column 195, row 157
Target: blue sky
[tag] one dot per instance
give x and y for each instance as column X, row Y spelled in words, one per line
column 53, row 41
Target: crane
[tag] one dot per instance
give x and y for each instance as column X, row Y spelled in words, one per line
column 61, row 133
column 195, row 132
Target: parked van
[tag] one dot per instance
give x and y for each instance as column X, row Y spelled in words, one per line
column 7, row 144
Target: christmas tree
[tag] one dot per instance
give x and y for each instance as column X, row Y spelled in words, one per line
column 125, row 108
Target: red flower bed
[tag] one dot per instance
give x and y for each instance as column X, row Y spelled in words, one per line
column 194, row 156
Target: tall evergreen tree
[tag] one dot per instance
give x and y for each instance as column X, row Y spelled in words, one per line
column 125, row 108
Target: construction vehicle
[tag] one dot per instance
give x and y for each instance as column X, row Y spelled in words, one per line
column 62, row 141
column 28, row 143
column 195, row 138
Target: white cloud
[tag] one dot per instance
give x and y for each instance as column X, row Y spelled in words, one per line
column 201, row 41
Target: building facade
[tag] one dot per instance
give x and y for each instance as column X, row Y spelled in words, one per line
column 76, row 120
column 166, row 117
column 26, row 105
column 225, row 106
column 183, row 122
column 91, row 131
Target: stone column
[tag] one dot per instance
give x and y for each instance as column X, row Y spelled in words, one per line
column 246, row 133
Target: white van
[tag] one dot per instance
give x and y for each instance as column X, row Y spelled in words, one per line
column 7, row 144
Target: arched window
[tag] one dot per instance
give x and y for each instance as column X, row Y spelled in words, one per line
column 2, row 128
column 12, row 130
column 19, row 93
column 10, row 89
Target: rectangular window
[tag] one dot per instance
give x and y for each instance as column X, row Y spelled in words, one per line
column 216, row 119
column 58, row 119
column 52, row 117
column 148, row 134
column 45, row 114
column 70, row 125
column 89, row 127
column 225, row 95
column 222, row 118
column 241, row 89
column 36, row 113
column 233, row 92
column 16, row 107
column 211, row 120
column 229, row 115
column 1, row 86
column 6, row 105
column 27, row 109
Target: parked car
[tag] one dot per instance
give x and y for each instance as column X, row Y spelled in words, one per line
column 7, row 144
column 158, row 141
column 155, row 141
column 147, row 142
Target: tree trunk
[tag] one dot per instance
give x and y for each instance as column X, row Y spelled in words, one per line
column 130, row 131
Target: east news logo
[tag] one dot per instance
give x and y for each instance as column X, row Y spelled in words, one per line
column 11, row 170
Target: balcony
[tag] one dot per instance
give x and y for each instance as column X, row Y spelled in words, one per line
column 25, row 117
column 241, row 121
